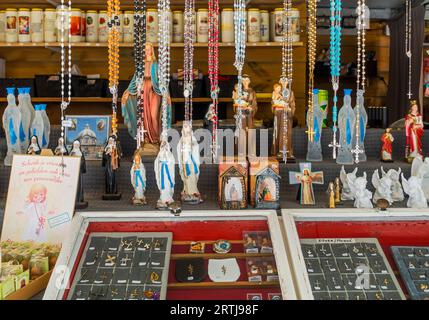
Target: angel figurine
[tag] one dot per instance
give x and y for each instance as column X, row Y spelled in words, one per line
column 395, row 176
column 189, row 164
column 413, row 132
column 383, row 187
column 61, row 150
column 346, row 193
column 138, row 180
column 34, row 147
column 164, row 172
column 360, row 193
column 416, row 196
column 420, row 169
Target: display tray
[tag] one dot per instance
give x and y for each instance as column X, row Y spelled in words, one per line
column 397, row 227
column 275, row 280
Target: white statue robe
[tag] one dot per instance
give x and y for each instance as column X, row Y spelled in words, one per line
column 138, row 180
column 189, row 165
column 164, row 173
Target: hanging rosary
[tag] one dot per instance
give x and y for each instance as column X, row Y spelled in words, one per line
column 140, row 63
column 214, row 69
column 312, row 44
column 164, row 59
column 188, row 58
column 240, row 32
column 408, row 48
column 361, row 32
column 287, row 69
column 113, row 12
column 335, row 57
column 65, row 102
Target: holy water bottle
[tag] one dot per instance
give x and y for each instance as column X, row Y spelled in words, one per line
column 37, row 127
column 346, row 125
column 46, row 126
column 315, row 117
column 25, row 119
column 11, row 125
column 27, row 97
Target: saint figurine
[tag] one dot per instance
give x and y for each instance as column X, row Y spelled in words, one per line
column 189, row 164
column 386, row 147
column 338, row 190
column 111, row 161
column 413, row 132
column 248, row 106
column 283, row 107
column 306, row 179
column 34, row 147
column 61, row 149
column 77, row 152
column 330, row 196
column 138, row 180
column 165, row 174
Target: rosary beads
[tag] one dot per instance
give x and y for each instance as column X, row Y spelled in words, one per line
column 408, row 44
column 312, row 44
column 188, row 59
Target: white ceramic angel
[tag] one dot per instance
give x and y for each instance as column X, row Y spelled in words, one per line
column 360, row 193
column 345, row 178
column 416, row 196
column 395, row 176
column 420, row 169
column 383, row 187
column 164, row 167
column 189, row 164
column 138, row 180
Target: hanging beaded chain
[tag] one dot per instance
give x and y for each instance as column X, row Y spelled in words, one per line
column 113, row 12
column 214, row 69
column 361, row 79
column 335, row 57
column 188, row 58
column 240, row 32
column 408, row 44
column 65, row 102
column 164, row 59
column 312, row 44
column 140, row 63
column 287, row 68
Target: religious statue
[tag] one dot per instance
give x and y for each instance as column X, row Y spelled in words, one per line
column 330, row 196
column 338, row 190
column 306, row 179
column 245, row 108
column 413, row 132
column 347, row 126
column 345, row 178
column 283, row 107
column 383, row 187
column 416, row 196
column 360, row 193
column 61, row 149
column 395, row 176
column 189, row 164
column 386, row 147
column 111, row 162
column 34, row 147
column 361, row 118
column 138, row 180
column 77, row 152
column 164, row 167
column 315, row 117
column 11, row 125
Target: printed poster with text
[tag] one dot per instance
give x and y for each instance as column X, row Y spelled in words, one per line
column 41, row 198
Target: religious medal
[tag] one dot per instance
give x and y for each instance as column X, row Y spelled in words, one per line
column 197, row 247
column 223, row 270
column 222, row 246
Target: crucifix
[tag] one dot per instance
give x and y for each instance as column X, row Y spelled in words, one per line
column 110, row 260
column 310, row 253
column 334, row 144
column 323, row 250
column 306, row 179
column 124, row 261
column 317, row 285
column 357, row 151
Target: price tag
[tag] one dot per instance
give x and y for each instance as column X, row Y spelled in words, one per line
column 67, row 123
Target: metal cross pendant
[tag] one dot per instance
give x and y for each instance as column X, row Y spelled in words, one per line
column 334, row 145
column 310, row 134
column 284, row 153
column 357, row 151
column 125, row 260
column 409, row 94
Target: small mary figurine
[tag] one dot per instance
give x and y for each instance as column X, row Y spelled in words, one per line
column 164, row 172
column 138, row 180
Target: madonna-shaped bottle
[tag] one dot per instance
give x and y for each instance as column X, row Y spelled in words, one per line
column 346, row 125
column 24, row 135
column 46, row 126
column 11, row 125
column 314, row 125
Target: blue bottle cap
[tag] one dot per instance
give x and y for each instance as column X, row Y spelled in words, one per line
column 21, row 90
column 315, row 91
column 348, row 92
column 10, row 90
column 37, row 107
column 28, row 90
column 42, row 107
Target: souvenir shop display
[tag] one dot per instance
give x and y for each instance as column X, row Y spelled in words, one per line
column 60, row 149
column 413, row 132
column 346, row 178
column 330, row 196
column 138, row 180
column 111, row 160
column 33, row 146
column 76, row 151
column 306, row 178
column 120, row 267
column 383, row 187
column 413, row 188
column 359, row 191
column 232, row 185
column 386, row 146
column 413, row 265
column 336, row 269
column 396, row 187
column 11, row 126
column 338, row 190
column 347, row 128
column 264, row 175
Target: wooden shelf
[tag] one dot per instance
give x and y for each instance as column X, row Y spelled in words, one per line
column 211, row 285
column 49, row 45
column 205, row 256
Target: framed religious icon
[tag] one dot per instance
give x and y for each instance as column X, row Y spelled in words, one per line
column 91, row 131
column 264, row 183
column 233, row 185
column 145, row 256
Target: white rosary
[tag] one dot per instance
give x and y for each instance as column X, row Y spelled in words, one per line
column 188, row 59
column 408, row 48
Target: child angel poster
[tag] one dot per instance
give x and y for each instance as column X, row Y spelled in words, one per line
column 41, row 198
